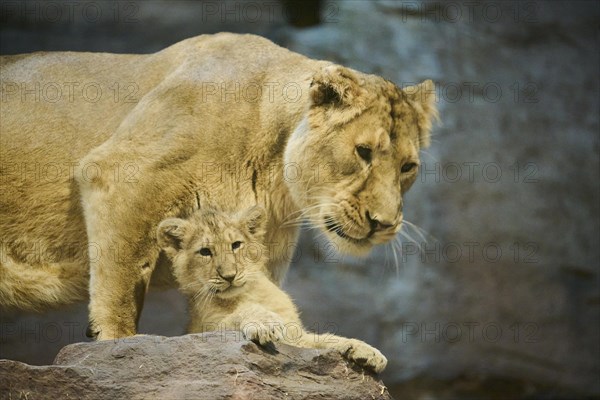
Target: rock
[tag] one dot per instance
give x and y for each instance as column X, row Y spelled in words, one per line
column 215, row 365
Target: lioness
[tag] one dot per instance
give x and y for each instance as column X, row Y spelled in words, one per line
column 97, row 149
column 218, row 261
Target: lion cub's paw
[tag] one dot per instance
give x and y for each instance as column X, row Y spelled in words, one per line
column 263, row 329
column 363, row 354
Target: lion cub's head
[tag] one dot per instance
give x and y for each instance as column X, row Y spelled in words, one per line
column 357, row 153
column 215, row 252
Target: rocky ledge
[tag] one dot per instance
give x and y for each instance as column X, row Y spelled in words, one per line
column 200, row 366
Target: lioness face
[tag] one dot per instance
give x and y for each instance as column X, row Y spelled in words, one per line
column 358, row 151
column 214, row 253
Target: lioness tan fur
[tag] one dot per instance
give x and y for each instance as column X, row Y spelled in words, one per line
column 218, row 261
column 96, row 149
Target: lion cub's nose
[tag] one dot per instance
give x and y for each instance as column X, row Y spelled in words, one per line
column 229, row 276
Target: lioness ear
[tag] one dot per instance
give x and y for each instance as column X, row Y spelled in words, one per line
column 334, row 85
column 422, row 97
column 255, row 220
column 171, row 232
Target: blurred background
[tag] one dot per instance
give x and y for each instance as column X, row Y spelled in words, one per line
column 496, row 292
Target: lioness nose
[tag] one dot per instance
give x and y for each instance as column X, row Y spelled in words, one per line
column 229, row 276
column 376, row 224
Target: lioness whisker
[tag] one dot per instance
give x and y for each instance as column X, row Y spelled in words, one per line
column 396, row 244
column 420, row 231
column 429, row 155
column 407, row 236
column 303, row 212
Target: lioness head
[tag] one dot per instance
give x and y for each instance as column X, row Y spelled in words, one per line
column 214, row 252
column 358, row 153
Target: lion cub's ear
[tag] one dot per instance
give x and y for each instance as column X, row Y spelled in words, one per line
column 255, row 221
column 170, row 234
column 334, row 85
column 422, row 96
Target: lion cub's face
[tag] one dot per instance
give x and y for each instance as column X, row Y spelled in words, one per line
column 214, row 253
column 356, row 154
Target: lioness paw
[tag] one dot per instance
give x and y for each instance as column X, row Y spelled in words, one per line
column 363, row 354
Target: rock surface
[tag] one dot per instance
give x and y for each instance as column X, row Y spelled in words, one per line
column 217, row 365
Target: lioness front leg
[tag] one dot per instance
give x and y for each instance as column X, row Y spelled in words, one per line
column 119, row 279
column 121, row 257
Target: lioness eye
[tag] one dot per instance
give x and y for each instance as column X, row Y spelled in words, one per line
column 364, row 153
column 409, row 166
column 205, row 251
column 236, row 245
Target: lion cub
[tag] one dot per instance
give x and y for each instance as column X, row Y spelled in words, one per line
column 218, row 261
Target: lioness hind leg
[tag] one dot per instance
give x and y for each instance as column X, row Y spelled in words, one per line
column 37, row 288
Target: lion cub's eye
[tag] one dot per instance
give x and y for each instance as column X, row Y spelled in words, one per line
column 236, row 245
column 364, row 152
column 205, row 251
column 409, row 166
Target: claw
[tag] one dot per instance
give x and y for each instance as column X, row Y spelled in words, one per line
column 364, row 355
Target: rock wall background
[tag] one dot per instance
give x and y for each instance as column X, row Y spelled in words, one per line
column 503, row 296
